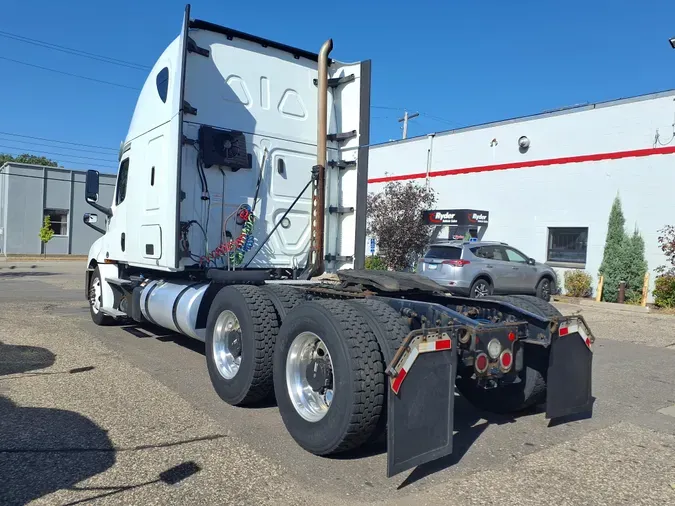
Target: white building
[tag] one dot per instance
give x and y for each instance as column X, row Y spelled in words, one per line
column 548, row 180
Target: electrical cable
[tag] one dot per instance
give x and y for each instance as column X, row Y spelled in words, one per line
column 116, row 150
column 57, row 147
column 260, row 176
column 76, row 52
column 279, row 222
column 61, row 154
column 101, row 81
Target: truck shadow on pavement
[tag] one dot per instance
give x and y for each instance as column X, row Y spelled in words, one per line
column 469, row 424
column 43, row 450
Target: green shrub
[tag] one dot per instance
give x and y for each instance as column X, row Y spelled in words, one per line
column 664, row 291
column 578, row 283
column 375, row 263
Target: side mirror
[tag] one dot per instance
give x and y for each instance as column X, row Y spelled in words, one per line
column 530, row 261
column 91, row 186
column 90, row 218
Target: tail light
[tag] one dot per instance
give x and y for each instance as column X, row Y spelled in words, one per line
column 456, row 263
column 481, row 363
column 506, row 360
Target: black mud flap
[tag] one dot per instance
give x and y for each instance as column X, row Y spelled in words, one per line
column 570, row 370
column 420, row 412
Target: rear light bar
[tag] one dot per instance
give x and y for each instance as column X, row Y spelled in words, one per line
column 456, row 263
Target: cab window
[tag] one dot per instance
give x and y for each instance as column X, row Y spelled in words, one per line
column 122, row 178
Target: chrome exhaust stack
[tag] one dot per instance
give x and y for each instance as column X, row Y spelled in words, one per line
column 319, row 170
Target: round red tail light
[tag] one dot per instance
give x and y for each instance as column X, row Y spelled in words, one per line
column 506, row 360
column 481, row 364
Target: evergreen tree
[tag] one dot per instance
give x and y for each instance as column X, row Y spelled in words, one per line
column 636, row 267
column 616, row 245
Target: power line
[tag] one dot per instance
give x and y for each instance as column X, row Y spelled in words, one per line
column 80, row 162
column 62, row 154
column 59, row 147
column 453, row 123
column 76, row 52
column 430, row 116
column 50, row 178
column 69, row 74
column 60, row 142
column 386, row 108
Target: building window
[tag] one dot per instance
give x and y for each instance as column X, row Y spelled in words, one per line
column 59, row 220
column 567, row 245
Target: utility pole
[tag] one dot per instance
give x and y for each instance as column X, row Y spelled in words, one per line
column 405, row 119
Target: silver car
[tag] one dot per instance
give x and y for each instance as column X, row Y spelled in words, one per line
column 477, row 269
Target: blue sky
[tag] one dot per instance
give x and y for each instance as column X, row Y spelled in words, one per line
column 456, row 62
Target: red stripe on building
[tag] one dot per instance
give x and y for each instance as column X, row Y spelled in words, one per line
column 531, row 163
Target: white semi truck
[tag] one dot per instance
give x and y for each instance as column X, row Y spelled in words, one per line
column 242, row 179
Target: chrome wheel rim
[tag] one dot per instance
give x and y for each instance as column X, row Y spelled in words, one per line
column 95, row 295
column 481, row 290
column 227, row 344
column 305, row 349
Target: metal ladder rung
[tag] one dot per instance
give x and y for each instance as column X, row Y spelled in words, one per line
column 334, row 82
column 342, row 136
column 342, row 164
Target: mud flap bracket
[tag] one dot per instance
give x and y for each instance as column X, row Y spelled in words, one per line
column 421, row 399
column 569, row 388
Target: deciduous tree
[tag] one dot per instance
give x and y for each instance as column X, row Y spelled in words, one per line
column 395, row 219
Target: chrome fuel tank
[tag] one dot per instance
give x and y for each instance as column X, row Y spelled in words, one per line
column 174, row 305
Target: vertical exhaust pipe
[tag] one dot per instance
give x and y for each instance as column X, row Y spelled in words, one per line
column 318, row 198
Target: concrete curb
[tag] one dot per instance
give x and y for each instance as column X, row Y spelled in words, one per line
column 19, row 259
column 610, row 306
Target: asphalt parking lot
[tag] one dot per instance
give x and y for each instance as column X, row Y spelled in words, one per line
column 127, row 415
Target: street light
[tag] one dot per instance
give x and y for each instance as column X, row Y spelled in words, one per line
column 672, row 42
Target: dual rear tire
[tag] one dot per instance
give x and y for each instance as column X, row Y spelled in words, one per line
column 324, row 364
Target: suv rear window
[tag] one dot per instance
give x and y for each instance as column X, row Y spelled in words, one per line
column 444, row 253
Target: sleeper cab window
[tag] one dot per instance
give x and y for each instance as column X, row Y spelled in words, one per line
column 163, row 83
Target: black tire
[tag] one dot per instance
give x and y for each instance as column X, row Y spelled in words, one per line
column 358, row 371
column 284, row 298
column 545, row 309
column 529, row 303
column 390, row 330
column 259, row 328
column 531, row 390
column 98, row 317
column 545, row 289
column 480, row 285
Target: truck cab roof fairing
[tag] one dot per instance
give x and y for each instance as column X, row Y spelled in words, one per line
column 151, row 110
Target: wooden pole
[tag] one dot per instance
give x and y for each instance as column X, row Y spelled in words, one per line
column 645, row 290
column 622, row 292
column 598, row 294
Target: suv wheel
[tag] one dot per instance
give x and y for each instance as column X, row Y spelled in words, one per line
column 544, row 289
column 480, row 288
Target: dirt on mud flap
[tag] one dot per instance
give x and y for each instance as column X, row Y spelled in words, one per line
column 421, row 399
column 569, row 388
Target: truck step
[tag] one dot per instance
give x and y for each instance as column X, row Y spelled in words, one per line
column 113, row 312
column 119, row 282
